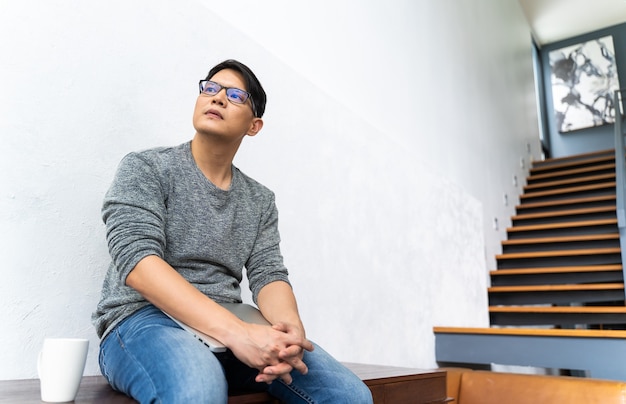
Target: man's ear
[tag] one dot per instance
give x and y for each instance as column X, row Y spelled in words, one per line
column 255, row 126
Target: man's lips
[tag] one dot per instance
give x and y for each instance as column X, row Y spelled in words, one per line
column 214, row 113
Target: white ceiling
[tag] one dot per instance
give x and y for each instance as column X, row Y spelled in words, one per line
column 555, row 20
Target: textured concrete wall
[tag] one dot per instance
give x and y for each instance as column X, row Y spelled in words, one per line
column 392, row 133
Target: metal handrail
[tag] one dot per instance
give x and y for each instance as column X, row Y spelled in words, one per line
column 620, row 175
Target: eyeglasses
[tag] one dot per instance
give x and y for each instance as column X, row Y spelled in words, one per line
column 233, row 94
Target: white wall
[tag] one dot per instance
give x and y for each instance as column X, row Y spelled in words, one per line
column 391, row 135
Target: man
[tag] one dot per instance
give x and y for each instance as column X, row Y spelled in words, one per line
column 182, row 223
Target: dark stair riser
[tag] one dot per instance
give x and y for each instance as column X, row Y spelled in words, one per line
column 554, row 297
column 552, row 165
column 565, row 169
column 535, row 197
column 566, row 175
column 560, row 261
column 574, row 204
column 554, row 185
column 564, row 217
column 560, row 246
column 564, row 231
column 557, row 278
column 558, row 319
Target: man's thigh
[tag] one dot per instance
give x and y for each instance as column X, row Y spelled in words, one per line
column 149, row 357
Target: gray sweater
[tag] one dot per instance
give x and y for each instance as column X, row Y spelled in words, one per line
column 160, row 203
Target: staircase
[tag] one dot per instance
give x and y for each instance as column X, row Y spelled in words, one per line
column 560, row 273
column 561, row 265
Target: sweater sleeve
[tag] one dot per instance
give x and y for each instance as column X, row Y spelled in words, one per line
column 134, row 214
column 265, row 264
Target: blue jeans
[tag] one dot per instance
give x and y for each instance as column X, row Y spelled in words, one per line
column 150, row 358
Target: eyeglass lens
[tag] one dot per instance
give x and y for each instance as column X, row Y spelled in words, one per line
column 235, row 95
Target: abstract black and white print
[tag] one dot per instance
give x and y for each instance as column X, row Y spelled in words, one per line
column 584, row 79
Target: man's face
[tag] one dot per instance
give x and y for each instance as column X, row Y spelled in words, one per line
column 216, row 115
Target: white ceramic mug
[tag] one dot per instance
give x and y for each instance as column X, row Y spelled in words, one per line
column 60, row 366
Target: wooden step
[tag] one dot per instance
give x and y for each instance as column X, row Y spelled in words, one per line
column 556, row 270
column 565, row 204
column 550, row 288
column 564, row 239
column 607, row 188
column 548, row 226
column 547, row 332
column 556, row 294
column 575, row 157
column 559, row 253
column 569, row 173
column 564, row 316
column 559, row 309
column 563, row 229
column 607, row 240
column 559, row 184
column 567, row 163
column 596, row 213
column 559, row 258
column 557, row 275
column 592, row 256
column 566, row 212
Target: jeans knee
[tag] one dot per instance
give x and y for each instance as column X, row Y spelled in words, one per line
column 362, row 395
column 354, row 391
column 203, row 392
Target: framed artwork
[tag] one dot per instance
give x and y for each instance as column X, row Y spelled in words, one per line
column 584, row 79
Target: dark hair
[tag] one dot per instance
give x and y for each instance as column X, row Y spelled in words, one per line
column 253, row 85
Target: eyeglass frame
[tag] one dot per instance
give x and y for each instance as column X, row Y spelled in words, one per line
column 248, row 95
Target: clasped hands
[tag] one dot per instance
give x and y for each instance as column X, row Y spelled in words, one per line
column 275, row 351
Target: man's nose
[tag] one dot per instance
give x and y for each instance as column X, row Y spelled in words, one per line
column 220, row 97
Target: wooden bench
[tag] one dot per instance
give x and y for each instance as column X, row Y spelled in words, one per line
column 389, row 385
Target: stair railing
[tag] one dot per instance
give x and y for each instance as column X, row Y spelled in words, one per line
column 620, row 175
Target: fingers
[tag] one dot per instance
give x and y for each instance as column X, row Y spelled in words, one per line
column 287, row 378
column 268, row 379
column 279, row 350
column 293, row 353
column 308, row 345
column 289, row 352
column 296, row 333
column 297, row 364
column 291, row 356
column 270, row 373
